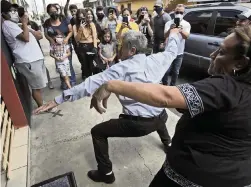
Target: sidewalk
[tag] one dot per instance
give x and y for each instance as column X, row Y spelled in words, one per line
column 62, row 144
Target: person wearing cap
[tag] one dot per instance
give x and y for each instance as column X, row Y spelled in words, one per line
column 185, row 28
column 243, row 18
column 29, row 59
column 159, row 22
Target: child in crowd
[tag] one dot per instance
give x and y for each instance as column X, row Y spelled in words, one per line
column 60, row 52
column 107, row 49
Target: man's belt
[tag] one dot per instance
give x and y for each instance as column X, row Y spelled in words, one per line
column 139, row 118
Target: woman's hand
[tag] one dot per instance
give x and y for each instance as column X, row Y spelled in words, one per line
column 124, row 25
column 48, row 106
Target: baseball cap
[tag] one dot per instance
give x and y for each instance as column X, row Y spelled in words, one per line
column 5, row 6
column 159, row 3
column 244, row 15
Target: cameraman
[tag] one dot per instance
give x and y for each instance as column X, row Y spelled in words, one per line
column 185, row 28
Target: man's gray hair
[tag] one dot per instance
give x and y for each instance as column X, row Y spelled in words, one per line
column 135, row 39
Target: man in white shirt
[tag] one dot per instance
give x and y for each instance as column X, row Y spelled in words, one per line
column 29, row 59
column 185, row 28
column 136, row 119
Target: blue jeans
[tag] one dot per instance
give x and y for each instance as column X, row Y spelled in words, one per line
column 73, row 76
column 173, row 70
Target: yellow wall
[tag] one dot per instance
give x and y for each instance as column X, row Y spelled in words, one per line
column 135, row 5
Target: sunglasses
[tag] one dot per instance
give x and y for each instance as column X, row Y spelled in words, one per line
column 178, row 12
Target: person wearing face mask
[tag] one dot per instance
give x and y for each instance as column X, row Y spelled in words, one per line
column 29, row 59
column 101, row 18
column 159, row 22
column 60, row 52
column 145, row 26
column 55, row 25
column 85, row 34
column 185, row 28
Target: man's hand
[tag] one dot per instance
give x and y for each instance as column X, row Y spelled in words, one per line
column 46, row 107
column 101, row 94
column 24, row 19
column 173, row 26
column 175, row 30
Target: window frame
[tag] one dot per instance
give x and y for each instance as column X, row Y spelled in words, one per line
column 211, row 23
column 223, row 10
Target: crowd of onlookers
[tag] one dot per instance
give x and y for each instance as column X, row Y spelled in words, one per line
column 96, row 39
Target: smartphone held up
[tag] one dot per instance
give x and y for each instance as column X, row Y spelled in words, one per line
column 177, row 22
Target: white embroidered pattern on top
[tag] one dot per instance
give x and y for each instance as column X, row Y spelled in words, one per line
column 193, row 100
column 176, row 177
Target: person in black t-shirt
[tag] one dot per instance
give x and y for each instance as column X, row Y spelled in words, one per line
column 211, row 146
column 145, row 26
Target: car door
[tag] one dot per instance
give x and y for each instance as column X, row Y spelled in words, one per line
column 196, row 47
column 225, row 20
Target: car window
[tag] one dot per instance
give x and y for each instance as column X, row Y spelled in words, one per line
column 225, row 21
column 199, row 21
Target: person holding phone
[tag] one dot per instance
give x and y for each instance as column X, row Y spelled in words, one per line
column 125, row 26
column 29, row 59
column 145, row 26
column 112, row 22
column 85, row 34
column 185, row 27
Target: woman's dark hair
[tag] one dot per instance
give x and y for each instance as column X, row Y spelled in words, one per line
column 87, row 10
column 105, row 31
column 125, row 9
column 49, row 6
column 78, row 21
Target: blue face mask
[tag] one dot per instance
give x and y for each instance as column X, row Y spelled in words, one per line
column 158, row 9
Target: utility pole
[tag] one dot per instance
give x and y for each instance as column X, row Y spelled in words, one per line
column 44, row 5
column 35, row 3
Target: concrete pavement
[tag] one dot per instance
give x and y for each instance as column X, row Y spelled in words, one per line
column 63, row 144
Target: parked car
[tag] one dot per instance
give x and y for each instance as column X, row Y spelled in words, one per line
column 208, row 22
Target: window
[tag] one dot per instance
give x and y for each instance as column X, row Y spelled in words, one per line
column 199, row 21
column 225, row 21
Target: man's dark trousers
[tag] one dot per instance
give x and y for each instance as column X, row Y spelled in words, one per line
column 125, row 126
column 173, row 70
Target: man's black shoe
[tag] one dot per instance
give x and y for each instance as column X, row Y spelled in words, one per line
column 97, row 176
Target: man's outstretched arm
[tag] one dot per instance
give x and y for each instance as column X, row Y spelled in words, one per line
column 86, row 88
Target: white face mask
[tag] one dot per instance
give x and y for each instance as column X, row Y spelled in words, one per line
column 129, row 18
column 14, row 17
column 59, row 40
column 179, row 16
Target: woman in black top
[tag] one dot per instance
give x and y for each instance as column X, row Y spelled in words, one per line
column 211, row 146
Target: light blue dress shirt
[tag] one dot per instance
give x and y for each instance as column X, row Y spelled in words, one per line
column 139, row 68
